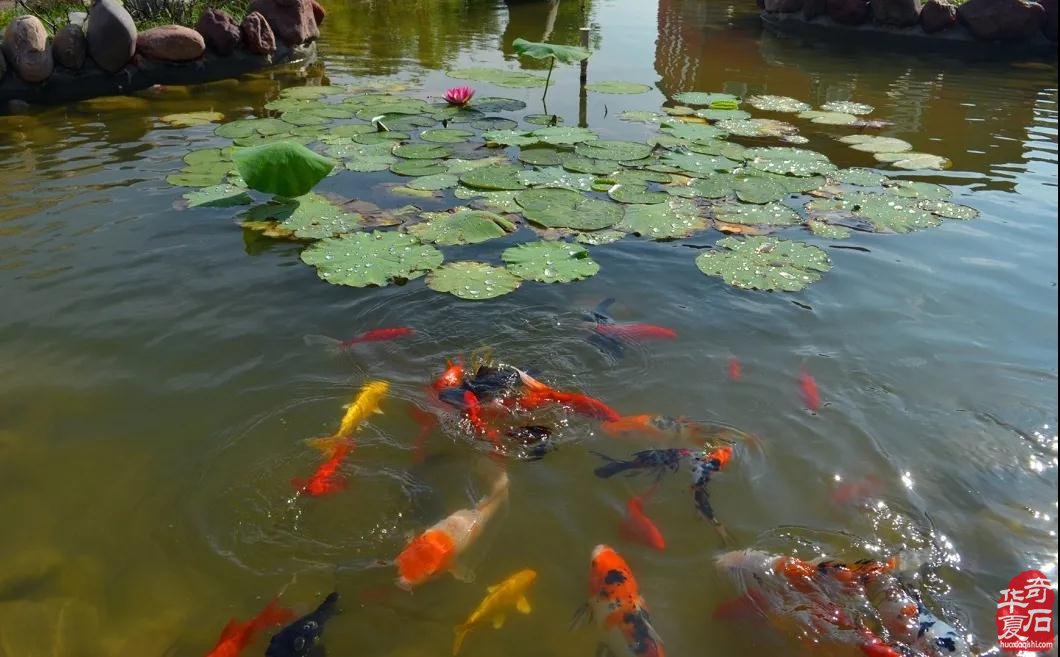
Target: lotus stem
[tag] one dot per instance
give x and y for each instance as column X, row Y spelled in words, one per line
column 548, row 78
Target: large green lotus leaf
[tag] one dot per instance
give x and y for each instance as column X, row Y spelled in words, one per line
column 310, row 92
column 564, row 208
column 770, row 214
column 509, row 137
column 696, row 164
column 722, row 114
column 617, row 87
column 537, row 50
column 728, row 149
column 283, row 168
column 785, row 160
column 563, row 135
column 464, row 226
column 550, row 262
column 498, row 76
column 947, row 209
column 876, row 144
column 642, row 116
column 847, row 107
column 693, row 131
column 418, row 168
column 677, row 218
column 376, row 258
column 544, row 157
column 599, row 237
column 623, row 151
column 764, row 263
column 701, row 98
column 757, row 128
column 858, row 176
column 759, row 189
column 435, row 182
column 828, row 231
column 918, row 189
column 218, row 196
column 828, row 118
column 308, row 217
column 914, row 161
column 250, row 127
column 495, row 201
column 768, row 103
column 494, row 123
column 595, row 167
column 501, row 177
column 191, row 119
column 472, row 281
column 556, row 177
column 422, row 151
column 882, row 213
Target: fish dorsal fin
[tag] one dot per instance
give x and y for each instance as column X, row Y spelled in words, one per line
column 498, row 621
column 523, row 605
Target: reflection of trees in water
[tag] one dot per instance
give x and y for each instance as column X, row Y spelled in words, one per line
column 558, row 21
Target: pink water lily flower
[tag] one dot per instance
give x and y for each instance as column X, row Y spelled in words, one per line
column 459, row 95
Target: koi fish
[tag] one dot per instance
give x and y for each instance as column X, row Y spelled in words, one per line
column 435, row 551
column 811, row 396
column 678, row 429
column 427, row 422
column 494, row 607
column 703, row 468
column 302, row 638
column 735, row 369
column 373, row 335
column 535, row 438
column 236, row 636
column 636, row 332
column 538, row 394
column 618, row 609
column 357, row 411
column 325, row 480
column 856, row 491
column 474, row 415
column 451, row 377
column 658, row 460
column 638, row 527
column 910, row 622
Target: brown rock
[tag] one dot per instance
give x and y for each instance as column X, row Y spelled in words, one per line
column 902, row 13
column 813, row 8
column 257, row 35
column 1002, row 20
column 69, row 48
column 318, row 12
column 784, row 6
column 937, row 15
column 27, row 49
column 111, row 35
column 848, row 12
column 171, row 43
column 219, row 30
column 1050, row 17
column 291, row 23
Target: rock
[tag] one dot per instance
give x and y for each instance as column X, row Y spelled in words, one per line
column 318, row 12
column 1050, row 17
column 902, row 13
column 69, row 48
column 3, row 64
column 27, row 49
column 171, row 43
column 257, row 35
column 291, row 23
column 219, row 30
column 848, row 12
column 1002, row 20
column 813, row 8
column 784, row 6
column 111, row 35
column 937, row 15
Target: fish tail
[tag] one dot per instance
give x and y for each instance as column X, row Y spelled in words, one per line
column 333, row 345
column 531, row 383
column 498, row 494
column 327, row 445
column 611, row 468
column 460, row 633
column 272, row 614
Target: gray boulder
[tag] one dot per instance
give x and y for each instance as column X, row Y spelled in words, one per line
column 937, row 15
column 27, row 49
column 69, row 48
column 1002, row 20
column 111, row 35
column 902, row 13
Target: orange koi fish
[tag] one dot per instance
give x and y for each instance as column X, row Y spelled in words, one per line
column 236, row 636
column 372, row 335
column 451, row 377
column 676, row 429
column 325, row 480
column 618, row 609
column 636, row 332
column 473, row 411
column 436, row 551
column 811, row 396
column 538, row 394
column 735, row 369
column 638, row 527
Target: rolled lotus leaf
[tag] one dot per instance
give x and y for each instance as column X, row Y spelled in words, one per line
column 284, row 168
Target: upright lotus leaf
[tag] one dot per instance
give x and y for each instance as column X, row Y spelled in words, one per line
column 677, row 218
column 564, row 208
column 376, row 258
column 757, row 128
column 556, row 177
column 550, row 262
column 946, row 209
column 494, row 201
column 594, row 167
column 722, row 114
column 501, row 177
column 828, row 118
column 283, row 168
column 544, row 157
column 770, row 214
column 642, row 116
column 764, row 263
column 876, row 144
column 696, row 164
column 224, row 195
column 784, row 160
column 828, row 231
column 509, row 137
column 435, row 182
column 768, row 103
column 561, row 54
column 858, row 176
column 701, row 98
column 422, row 151
column 914, row 161
column 918, row 189
column 464, row 226
column 623, row 151
column 497, row 104
column 882, row 213
column 446, row 135
column 563, row 135
column 191, row 119
column 617, row 87
column 500, row 77
column 848, row 107
column 472, row 281
column 417, row 168
column 599, row 237
column 494, row 123
column 248, row 127
column 307, row 217
column 694, row 131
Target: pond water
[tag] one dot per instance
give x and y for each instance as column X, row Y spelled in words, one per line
column 155, row 388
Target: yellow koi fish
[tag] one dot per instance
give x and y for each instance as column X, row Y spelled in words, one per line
column 365, row 404
column 494, row 607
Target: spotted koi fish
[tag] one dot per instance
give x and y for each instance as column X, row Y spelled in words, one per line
column 617, row 608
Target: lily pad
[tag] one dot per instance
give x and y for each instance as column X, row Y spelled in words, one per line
column 218, row 196
column 876, row 144
column 918, row 189
column 829, row 118
column 383, row 137
column 623, row 151
column 858, row 176
column 723, row 114
column 914, row 161
column 347, row 130
column 494, row 123
column 497, row 76
column 464, row 226
column 418, row 168
column 556, row 177
column 472, row 281
column 308, row 92
column 249, row 127
column 696, row 164
column 677, row 218
column 848, row 107
column 422, row 151
column 768, row 103
column 617, row 87
column 560, row 53
column 759, row 189
column 498, row 104
column 828, row 231
column 544, row 119
column 694, row 131
column 509, row 137
column 882, row 213
column 550, row 262
column 376, row 258
column 770, row 214
column 948, row 210
column 701, row 98
column 563, row 135
column 191, row 119
column 594, row 167
column 283, row 168
column 634, row 193
column 564, row 208
column 501, row 177
column 679, row 110
column 315, row 115
column 599, row 237
column 495, row 201
column 757, row 128
column 458, row 166
column 764, row 263
column 642, row 116
column 785, row 160
column 435, row 182
column 543, row 157
column 728, row 149
column 308, row 217
column 446, row 135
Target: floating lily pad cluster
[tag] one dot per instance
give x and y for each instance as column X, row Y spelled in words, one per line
column 505, row 174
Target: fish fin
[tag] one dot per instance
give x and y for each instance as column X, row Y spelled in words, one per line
column 272, row 614
column 583, row 615
column 491, row 589
column 603, row 308
column 498, row 621
column 331, row 344
column 378, row 411
column 462, row 573
column 460, row 633
column 530, row 382
column 522, row 605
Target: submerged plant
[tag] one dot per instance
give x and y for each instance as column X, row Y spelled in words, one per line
column 459, row 96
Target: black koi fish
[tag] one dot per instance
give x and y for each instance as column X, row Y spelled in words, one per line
column 302, row 637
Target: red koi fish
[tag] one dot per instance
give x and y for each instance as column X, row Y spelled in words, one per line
column 618, row 609
column 638, row 527
column 811, row 396
column 636, row 332
column 856, row 491
column 372, row 335
column 735, row 369
column 538, row 394
column 427, row 422
column 236, row 636
column 473, row 411
column 326, row 479
column 452, row 377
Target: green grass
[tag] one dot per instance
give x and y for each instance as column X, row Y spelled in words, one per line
column 147, row 13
